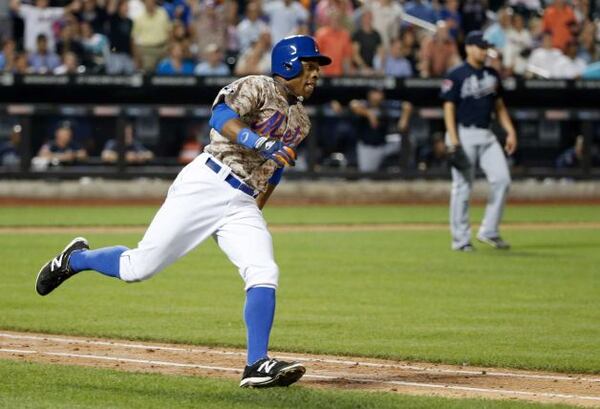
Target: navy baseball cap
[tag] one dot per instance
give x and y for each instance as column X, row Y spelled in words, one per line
column 476, row 38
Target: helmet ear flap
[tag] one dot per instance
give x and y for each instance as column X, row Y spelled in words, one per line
column 288, row 65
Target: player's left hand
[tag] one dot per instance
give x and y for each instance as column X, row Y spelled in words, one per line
column 510, row 145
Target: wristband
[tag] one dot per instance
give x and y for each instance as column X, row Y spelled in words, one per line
column 276, row 177
column 246, row 137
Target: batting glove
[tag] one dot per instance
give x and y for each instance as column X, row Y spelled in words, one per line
column 272, row 149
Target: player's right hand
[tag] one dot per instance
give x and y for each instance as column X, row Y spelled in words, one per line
column 277, row 151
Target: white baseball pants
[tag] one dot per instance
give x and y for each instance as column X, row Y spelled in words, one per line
column 200, row 204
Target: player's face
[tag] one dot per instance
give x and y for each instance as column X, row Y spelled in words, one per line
column 304, row 84
column 478, row 54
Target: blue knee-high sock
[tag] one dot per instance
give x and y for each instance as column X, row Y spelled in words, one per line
column 104, row 260
column 258, row 314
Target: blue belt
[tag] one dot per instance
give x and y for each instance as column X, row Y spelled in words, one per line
column 233, row 181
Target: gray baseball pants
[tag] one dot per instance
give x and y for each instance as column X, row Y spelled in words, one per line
column 481, row 147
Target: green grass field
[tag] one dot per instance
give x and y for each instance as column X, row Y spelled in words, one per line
column 394, row 294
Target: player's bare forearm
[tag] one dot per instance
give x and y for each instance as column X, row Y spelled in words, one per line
column 510, row 145
column 263, row 197
column 404, row 121
column 450, row 122
column 503, row 117
column 232, row 128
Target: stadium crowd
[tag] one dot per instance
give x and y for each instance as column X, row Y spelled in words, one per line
column 411, row 38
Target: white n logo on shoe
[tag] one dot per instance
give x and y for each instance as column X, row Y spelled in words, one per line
column 266, row 366
column 57, row 262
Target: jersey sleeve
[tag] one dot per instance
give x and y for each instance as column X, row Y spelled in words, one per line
column 450, row 88
column 244, row 95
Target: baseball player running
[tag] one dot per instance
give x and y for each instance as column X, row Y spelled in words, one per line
column 257, row 122
column 471, row 93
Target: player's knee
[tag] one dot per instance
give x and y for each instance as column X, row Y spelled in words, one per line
column 134, row 269
column 265, row 275
column 502, row 182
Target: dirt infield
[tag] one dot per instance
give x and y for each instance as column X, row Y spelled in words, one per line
column 349, row 373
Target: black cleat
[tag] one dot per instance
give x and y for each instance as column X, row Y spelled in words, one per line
column 495, row 242
column 467, row 248
column 57, row 270
column 267, row 373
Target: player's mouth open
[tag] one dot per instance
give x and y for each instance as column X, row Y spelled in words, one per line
column 310, row 85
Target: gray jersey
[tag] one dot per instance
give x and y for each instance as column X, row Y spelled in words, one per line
column 260, row 102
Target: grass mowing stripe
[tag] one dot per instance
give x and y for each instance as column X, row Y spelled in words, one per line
column 142, row 215
column 27, row 385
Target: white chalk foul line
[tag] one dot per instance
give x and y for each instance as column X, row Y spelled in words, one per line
column 323, row 377
column 305, row 359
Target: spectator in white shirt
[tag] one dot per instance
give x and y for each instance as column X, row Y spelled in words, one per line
column 251, row 27
column 286, row 17
column 542, row 59
column 518, row 40
column 387, row 16
column 569, row 66
column 39, row 20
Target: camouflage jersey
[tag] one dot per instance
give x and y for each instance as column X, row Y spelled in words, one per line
column 260, row 103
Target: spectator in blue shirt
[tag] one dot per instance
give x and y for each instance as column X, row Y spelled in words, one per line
column 213, row 62
column 496, row 33
column 8, row 55
column 394, row 62
column 175, row 64
column 179, row 10
column 135, row 152
column 9, row 150
column 452, row 17
column 43, row 60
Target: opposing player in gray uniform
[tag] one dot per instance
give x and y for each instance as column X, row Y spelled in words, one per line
column 257, row 123
column 472, row 92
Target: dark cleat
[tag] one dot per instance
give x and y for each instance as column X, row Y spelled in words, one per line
column 267, row 373
column 58, row 270
column 467, row 248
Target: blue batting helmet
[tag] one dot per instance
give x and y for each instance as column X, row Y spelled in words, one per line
column 287, row 55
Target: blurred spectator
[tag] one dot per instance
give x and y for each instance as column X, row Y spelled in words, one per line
column 335, row 41
column 69, row 40
column 150, row 34
column 410, row 47
column 21, row 64
column 135, row 152
column 525, row 7
column 496, row 33
column 373, row 126
column 9, row 149
column 588, row 46
column 473, row 15
column 286, row 17
column 394, row 62
column 120, row 28
column 70, row 65
column 189, row 150
column 433, row 156
column 209, row 24
column 43, row 60
column 421, row 9
column 366, row 43
column 251, row 27
column 179, row 10
column 451, row 15
column 542, row 59
column 518, row 42
column 387, row 16
column 39, row 19
column 213, row 63
column 8, row 55
column 324, row 9
column 62, row 150
column 573, row 156
column 592, row 71
column 94, row 15
column 558, row 19
column 569, row 65
column 175, row 64
column 256, row 59
column 438, row 53
column 180, row 34
column 96, row 47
